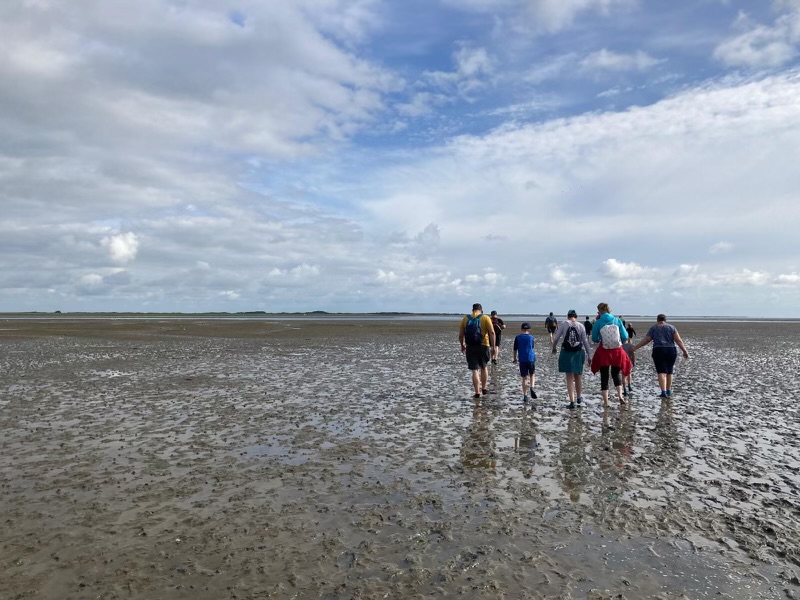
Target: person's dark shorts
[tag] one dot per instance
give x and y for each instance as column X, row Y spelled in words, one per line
column 477, row 357
column 527, row 368
column 551, row 328
column 497, row 336
column 664, row 359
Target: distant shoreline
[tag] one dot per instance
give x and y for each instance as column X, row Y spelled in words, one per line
column 260, row 315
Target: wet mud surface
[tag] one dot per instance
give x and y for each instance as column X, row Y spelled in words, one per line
column 294, row 459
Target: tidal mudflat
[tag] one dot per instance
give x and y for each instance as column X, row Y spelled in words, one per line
column 211, row 459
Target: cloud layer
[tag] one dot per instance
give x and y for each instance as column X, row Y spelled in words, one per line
column 327, row 155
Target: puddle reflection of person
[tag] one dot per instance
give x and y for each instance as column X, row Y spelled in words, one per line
column 623, row 437
column 667, row 447
column 573, row 459
column 478, row 448
column 525, row 443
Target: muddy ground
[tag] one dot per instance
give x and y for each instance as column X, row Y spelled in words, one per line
column 213, row 459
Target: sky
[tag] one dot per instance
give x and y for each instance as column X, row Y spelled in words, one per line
column 416, row 156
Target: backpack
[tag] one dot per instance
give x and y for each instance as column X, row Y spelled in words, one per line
column 572, row 340
column 473, row 336
column 609, row 335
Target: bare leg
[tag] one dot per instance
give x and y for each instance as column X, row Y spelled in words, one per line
column 476, row 382
column 669, row 381
column 662, row 381
column 570, row 377
column 619, row 394
column 578, row 385
column 524, row 386
column 604, row 394
column 485, row 377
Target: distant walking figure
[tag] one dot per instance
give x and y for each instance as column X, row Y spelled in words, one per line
column 574, row 352
column 498, row 325
column 587, row 325
column 609, row 332
column 476, row 337
column 664, row 337
column 550, row 325
column 630, row 330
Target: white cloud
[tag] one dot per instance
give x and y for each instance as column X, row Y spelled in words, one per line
column 721, row 248
column 621, row 270
column 122, row 247
column 473, row 69
column 230, row 295
column 386, row 276
column 91, row 280
column 608, row 60
column 296, row 273
column 788, row 278
column 763, row 45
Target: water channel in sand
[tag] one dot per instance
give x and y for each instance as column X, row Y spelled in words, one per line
column 346, row 459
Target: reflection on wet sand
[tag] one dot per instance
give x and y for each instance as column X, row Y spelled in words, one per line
column 195, row 460
column 478, row 449
column 574, row 463
column 525, row 442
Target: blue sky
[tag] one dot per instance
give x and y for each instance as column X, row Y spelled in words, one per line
column 533, row 155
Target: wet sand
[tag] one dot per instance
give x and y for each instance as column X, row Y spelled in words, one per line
column 298, row 459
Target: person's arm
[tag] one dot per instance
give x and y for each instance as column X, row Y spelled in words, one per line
column 492, row 338
column 586, row 346
column 516, row 347
column 646, row 340
column 556, row 337
column 461, row 337
column 680, row 343
column 623, row 334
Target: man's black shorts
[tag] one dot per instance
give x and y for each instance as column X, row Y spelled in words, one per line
column 497, row 336
column 477, row 357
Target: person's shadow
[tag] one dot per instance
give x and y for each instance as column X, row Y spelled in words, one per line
column 667, row 446
column 478, row 448
column 525, row 444
column 572, row 455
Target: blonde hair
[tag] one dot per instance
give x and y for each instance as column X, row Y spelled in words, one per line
column 603, row 308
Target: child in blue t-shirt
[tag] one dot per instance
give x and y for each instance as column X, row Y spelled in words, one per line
column 524, row 351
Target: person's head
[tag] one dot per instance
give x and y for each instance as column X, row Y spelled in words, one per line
column 477, row 306
column 572, row 314
column 662, row 318
column 525, row 327
column 587, row 317
column 551, row 313
column 603, row 308
column 494, row 313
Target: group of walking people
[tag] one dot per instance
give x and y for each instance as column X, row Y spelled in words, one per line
column 614, row 354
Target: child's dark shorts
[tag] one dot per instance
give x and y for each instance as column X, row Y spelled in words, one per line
column 527, row 368
column 477, row 357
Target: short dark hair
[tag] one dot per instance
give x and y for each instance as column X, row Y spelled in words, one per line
column 477, row 306
column 494, row 312
column 662, row 318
